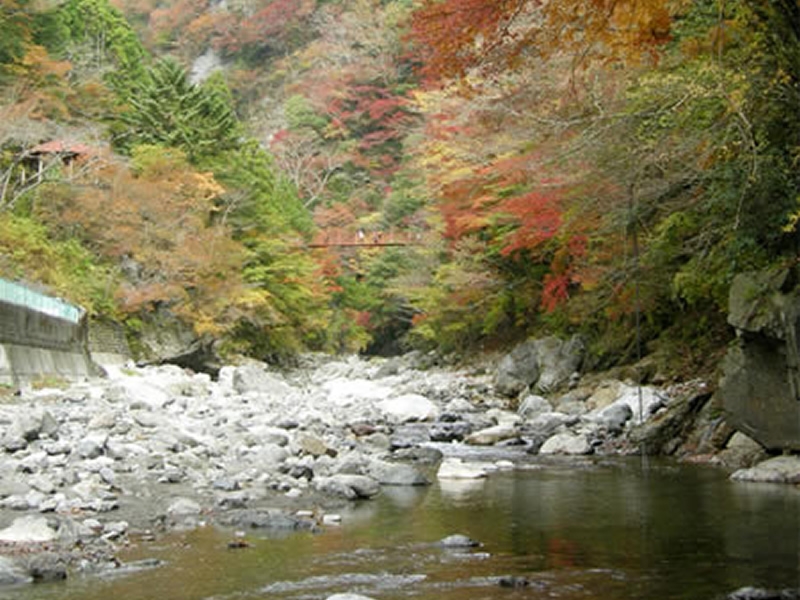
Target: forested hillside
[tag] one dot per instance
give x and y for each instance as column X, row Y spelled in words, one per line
column 350, row 175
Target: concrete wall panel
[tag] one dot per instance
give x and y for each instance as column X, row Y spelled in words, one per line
column 36, row 345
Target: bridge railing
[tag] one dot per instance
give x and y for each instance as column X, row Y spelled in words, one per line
column 19, row 295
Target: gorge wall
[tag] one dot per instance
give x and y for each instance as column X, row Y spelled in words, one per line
column 760, row 387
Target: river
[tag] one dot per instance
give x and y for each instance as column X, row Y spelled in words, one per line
column 612, row 529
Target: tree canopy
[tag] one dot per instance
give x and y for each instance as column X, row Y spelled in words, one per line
column 555, row 166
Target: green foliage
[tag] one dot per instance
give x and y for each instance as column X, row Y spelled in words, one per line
column 100, row 38
column 369, row 291
column 467, row 301
column 300, row 114
column 29, row 253
column 261, row 196
column 166, row 109
column 699, row 156
column 287, row 306
column 404, row 201
column 51, row 31
column 540, row 185
column 15, row 35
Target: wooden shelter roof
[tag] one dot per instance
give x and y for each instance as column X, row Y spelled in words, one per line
column 61, row 147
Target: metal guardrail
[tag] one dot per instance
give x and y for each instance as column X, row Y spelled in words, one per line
column 13, row 293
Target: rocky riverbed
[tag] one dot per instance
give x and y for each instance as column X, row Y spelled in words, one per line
column 89, row 467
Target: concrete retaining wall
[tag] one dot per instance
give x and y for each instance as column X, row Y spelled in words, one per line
column 35, row 345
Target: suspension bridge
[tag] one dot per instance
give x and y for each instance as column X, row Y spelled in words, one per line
column 347, row 238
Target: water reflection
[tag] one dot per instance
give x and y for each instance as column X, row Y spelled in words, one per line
column 461, row 491
column 608, row 529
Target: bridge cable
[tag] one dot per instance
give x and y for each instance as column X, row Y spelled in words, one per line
column 634, row 233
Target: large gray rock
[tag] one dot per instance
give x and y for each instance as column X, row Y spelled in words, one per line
column 408, row 407
column 92, row 446
column 546, row 424
column 615, row 416
column 255, row 377
column 558, row 360
column 566, row 443
column 351, row 487
column 166, row 339
column 760, row 388
column 518, row 369
column 11, row 573
column 545, row 364
column 408, row 436
column 311, row 445
column 741, row 452
column 663, row 433
column 492, row 435
column 781, row 469
column 47, row 566
column 387, row 473
column 533, row 405
column 28, row 529
column 455, row 468
column 454, row 431
column 31, row 424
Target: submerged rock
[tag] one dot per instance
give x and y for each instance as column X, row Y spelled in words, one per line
column 262, row 519
column 47, row 566
column 184, row 507
column 11, row 573
column 459, row 540
column 513, row 581
column 753, row 593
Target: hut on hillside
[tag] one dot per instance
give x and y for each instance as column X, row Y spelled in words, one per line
column 67, row 153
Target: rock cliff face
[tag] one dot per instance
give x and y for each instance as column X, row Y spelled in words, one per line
column 760, row 388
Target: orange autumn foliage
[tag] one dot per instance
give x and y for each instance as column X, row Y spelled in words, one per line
column 159, row 223
column 453, row 36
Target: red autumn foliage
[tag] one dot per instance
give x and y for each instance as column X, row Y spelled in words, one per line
column 270, row 24
column 377, row 117
column 537, row 216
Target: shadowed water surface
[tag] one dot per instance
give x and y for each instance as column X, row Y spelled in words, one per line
column 607, row 529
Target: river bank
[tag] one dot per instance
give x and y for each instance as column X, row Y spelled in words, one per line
column 95, row 465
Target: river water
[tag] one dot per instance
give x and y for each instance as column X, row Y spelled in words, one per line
column 611, row 529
